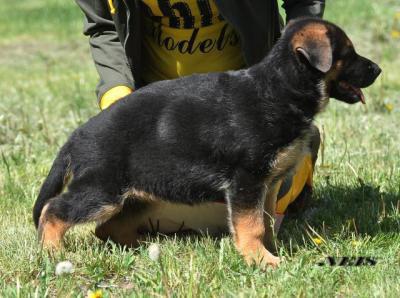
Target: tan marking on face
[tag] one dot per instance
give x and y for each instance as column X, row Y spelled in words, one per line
column 334, row 72
column 51, row 230
column 330, row 77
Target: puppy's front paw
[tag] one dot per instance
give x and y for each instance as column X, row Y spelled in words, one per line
column 48, row 238
column 262, row 258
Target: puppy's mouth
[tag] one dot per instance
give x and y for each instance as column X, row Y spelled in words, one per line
column 352, row 91
column 347, row 92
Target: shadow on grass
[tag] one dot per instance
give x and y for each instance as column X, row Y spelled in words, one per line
column 342, row 210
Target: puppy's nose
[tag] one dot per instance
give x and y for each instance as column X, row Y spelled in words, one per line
column 375, row 69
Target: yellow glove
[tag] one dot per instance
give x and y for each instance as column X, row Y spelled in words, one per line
column 113, row 95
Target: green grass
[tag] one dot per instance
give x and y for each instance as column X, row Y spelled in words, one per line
column 46, row 90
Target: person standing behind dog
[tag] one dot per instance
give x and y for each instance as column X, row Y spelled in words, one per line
column 136, row 42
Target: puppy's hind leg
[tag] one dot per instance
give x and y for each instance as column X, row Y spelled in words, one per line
column 74, row 207
column 247, row 221
column 122, row 228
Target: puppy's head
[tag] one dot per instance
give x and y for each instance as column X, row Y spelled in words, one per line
column 324, row 49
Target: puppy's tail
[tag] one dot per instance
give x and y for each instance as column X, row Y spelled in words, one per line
column 53, row 184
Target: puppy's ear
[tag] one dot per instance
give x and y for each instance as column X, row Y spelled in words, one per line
column 318, row 57
column 314, row 45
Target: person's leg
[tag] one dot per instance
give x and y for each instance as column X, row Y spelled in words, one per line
column 296, row 188
column 303, row 199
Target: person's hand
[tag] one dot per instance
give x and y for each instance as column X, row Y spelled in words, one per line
column 113, row 95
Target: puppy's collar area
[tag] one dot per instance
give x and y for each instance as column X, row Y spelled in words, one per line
column 300, row 93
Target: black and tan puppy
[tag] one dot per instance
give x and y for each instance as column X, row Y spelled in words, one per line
column 200, row 138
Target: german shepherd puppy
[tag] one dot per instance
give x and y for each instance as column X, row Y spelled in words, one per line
column 204, row 137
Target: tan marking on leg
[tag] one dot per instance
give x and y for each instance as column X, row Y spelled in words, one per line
column 123, row 227
column 122, row 231
column 249, row 231
column 269, row 215
column 51, row 230
column 106, row 212
column 140, row 194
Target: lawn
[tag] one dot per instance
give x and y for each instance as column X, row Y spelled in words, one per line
column 46, row 90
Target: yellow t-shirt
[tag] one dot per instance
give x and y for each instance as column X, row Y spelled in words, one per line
column 185, row 37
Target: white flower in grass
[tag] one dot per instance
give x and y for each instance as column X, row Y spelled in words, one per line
column 154, row 251
column 64, row 267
